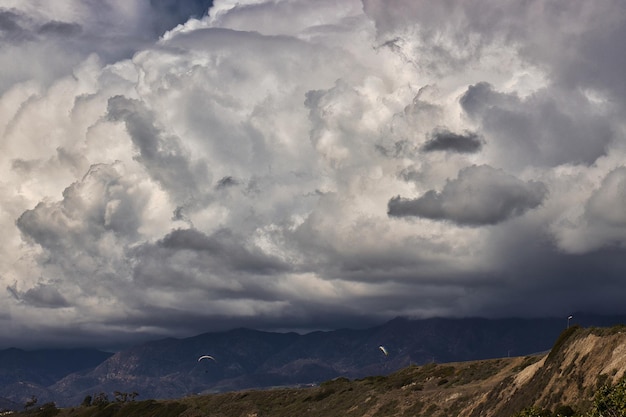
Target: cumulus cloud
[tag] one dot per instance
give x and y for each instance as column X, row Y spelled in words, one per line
column 481, row 195
column 172, row 167
column 600, row 222
column 167, row 162
column 543, row 129
column 46, row 41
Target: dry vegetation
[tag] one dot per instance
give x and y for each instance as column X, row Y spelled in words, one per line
column 581, row 362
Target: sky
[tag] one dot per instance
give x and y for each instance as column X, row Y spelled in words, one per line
column 172, row 167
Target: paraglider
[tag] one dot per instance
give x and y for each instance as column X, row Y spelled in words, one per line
column 206, row 357
column 384, row 350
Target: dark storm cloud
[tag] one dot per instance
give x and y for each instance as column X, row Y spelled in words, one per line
column 531, row 267
column 481, row 96
column 185, row 323
column 548, row 128
column 399, row 149
column 226, row 182
column 445, row 140
column 163, row 155
column 42, row 295
column 221, row 250
column 238, row 199
column 588, row 55
column 481, row 195
column 217, row 271
column 17, row 27
column 12, row 27
column 59, row 29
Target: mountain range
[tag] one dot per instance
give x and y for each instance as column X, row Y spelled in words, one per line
column 246, row 358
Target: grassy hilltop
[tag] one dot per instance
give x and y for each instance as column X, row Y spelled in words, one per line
column 583, row 372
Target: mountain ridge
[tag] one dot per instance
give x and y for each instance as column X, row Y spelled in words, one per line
column 574, row 378
column 248, row 358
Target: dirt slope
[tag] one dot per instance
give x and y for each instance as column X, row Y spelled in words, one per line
column 580, row 361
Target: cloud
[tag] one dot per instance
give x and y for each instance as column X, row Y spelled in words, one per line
column 42, row 295
column 604, row 204
column 543, row 129
column 444, row 140
column 599, row 223
column 167, row 162
column 11, row 27
column 46, row 41
column 102, row 202
column 59, row 29
column 172, row 167
column 481, row 195
column 167, row 14
column 223, row 245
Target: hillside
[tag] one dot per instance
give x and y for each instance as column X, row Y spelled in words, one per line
column 247, row 358
column 581, row 361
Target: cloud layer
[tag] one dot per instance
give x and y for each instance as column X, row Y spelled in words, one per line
column 172, row 167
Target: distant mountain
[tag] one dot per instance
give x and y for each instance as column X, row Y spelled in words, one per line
column 582, row 374
column 244, row 358
column 6, row 404
column 26, row 373
column 46, row 366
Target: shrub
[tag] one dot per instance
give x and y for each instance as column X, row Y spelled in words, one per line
column 86, row 401
column 534, row 412
column 100, row 400
column 564, row 411
column 610, row 401
column 566, row 334
column 48, row 410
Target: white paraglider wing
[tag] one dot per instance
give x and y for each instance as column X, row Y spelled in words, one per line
column 384, row 350
column 206, row 357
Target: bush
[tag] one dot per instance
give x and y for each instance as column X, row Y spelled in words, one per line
column 564, row 411
column 610, row 401
column 560, row 342
column 86, row 401
column 100, row 400
column 534, row 412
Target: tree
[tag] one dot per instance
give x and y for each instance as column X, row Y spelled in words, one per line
column 120, row 397
column 30, row 403
column 100, row 400
column 48, row 410
column 86, row 401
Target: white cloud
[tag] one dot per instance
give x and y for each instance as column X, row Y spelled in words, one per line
column 240, row 165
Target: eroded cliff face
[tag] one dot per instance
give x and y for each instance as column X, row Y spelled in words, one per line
column 580, row 362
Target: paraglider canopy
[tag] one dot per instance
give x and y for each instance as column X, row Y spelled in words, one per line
column 206, row 357
column 384, row 350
